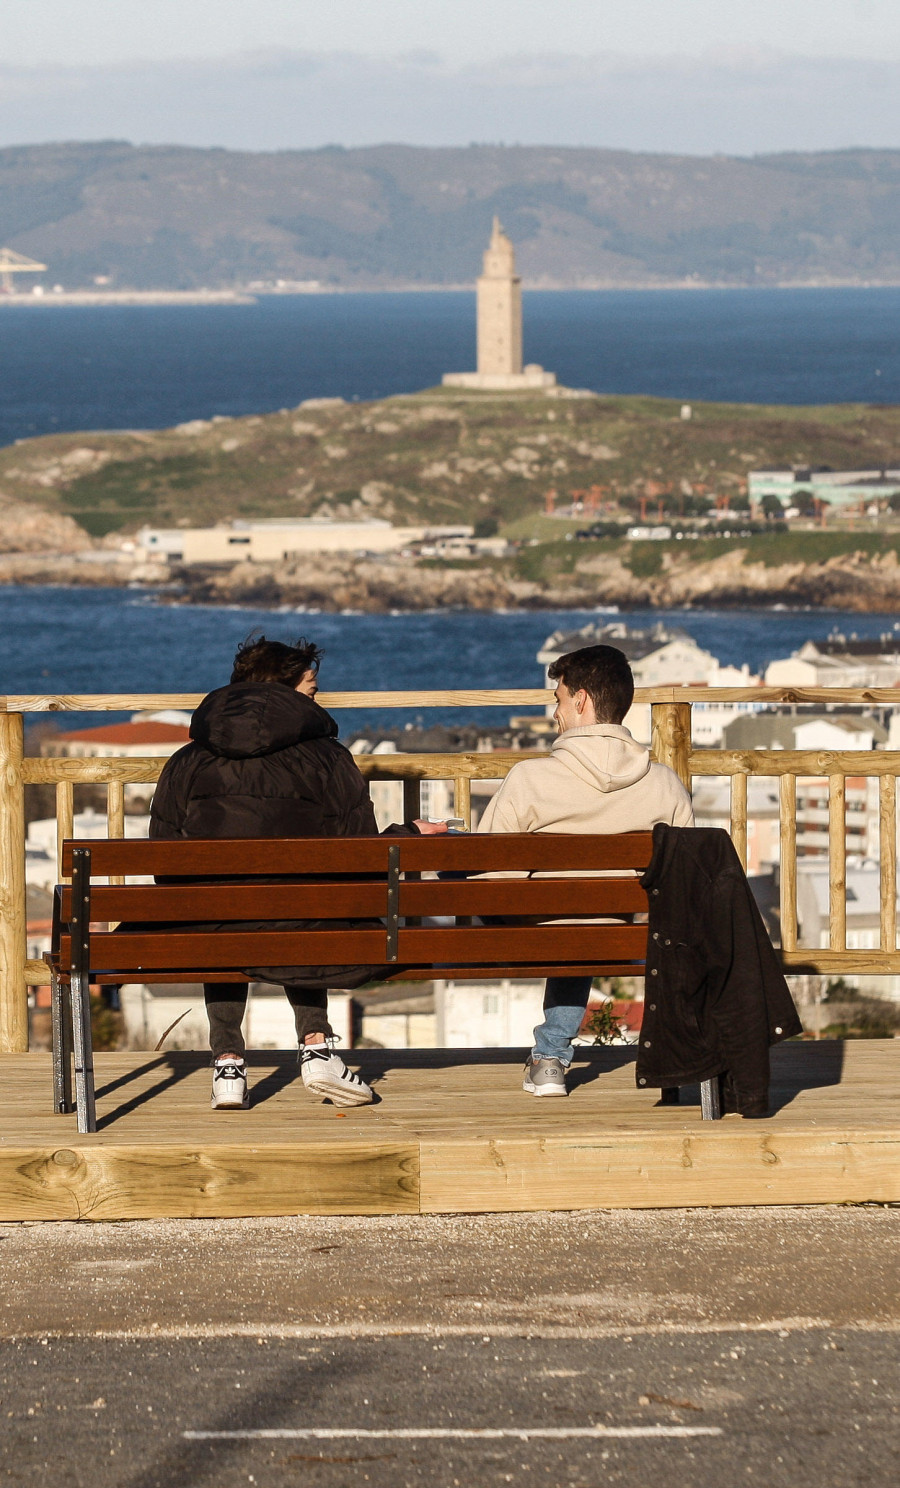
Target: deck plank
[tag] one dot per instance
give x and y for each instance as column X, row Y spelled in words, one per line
column 452, row 1132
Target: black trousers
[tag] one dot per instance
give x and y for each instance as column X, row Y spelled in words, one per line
column 227, row 1001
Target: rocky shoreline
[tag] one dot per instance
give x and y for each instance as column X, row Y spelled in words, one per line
column 853, row 581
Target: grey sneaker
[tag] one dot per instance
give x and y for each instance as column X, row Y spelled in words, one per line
column 325, row 1074
column 545, row 1076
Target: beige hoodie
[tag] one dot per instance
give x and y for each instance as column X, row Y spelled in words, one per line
column 597, row 779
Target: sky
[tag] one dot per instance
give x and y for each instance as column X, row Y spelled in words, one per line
column 36, row 32
column 692, row 76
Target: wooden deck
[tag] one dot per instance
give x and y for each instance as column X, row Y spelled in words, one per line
column 452, row 1133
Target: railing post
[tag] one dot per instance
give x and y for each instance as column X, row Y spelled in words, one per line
column 671, row 738
column 13, row 942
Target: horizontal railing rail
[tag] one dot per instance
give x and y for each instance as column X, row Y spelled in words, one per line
column 497, row 697
column 671, row 709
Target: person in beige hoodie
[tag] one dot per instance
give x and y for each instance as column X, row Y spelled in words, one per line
column 598, row 778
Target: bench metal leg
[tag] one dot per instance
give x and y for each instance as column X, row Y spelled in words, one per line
column 61, row 1027
column 710, row 1100
column 81, row 990
column 85, row 1105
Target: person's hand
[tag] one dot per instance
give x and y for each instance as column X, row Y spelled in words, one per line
column 429, row 828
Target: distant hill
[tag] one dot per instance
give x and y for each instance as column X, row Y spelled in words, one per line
column 398, row 216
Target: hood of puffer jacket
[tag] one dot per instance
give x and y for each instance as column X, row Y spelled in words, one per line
column 603, row 755
column 247, row 719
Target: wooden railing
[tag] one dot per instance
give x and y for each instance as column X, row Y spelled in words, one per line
column 671, row 744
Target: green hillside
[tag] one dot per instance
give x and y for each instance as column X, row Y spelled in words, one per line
column 438, row 457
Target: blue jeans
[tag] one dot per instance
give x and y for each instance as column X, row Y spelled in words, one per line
column 565, row 1000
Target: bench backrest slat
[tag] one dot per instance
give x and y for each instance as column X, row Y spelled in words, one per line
column 510, row 945
column 257, row 857
column 548, row 897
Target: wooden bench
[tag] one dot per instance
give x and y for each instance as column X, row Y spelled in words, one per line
column 362, row 878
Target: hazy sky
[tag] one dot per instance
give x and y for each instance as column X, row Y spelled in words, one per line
column 37, row 32
column 687, row 76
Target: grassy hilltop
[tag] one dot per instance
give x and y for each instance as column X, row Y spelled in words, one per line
column 435, row 456
column 448, row 456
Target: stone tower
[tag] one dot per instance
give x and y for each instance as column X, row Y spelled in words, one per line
column 499, row 322
column 499, row 327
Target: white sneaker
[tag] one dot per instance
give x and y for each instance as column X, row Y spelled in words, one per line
column 229, row 1086
column 326, row 1075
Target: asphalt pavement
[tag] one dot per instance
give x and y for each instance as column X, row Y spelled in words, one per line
column 704, row 1348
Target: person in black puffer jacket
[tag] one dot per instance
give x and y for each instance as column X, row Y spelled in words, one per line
column 264, row 761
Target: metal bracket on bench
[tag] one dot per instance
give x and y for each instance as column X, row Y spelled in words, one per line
column 393, row 902
column 81, row 994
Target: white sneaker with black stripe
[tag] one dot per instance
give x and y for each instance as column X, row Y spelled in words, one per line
column 229, row 1086
column 326, row 1075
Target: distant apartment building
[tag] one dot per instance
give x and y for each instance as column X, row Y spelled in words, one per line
column 146, row 734
column 41, row 868
column 435, row 796
column 840, row 661
column 712, row 808
column 806, row 731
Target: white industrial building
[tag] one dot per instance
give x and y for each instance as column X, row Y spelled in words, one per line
column 838, row 488
column 279, row 538
column 273, row 541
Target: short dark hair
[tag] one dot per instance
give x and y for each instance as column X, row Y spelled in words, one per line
column 259, row 660
column 603, row 673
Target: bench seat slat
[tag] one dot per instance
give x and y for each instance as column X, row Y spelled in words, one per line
column 490, row 852
column 157, row 903
column 419, row 946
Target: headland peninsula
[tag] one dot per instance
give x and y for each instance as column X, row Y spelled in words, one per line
column 72, row 506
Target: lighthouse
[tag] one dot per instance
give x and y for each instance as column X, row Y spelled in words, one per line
column 499, row 326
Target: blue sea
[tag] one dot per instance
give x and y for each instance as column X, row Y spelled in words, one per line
column 72, row 368
column 115, row 367
column 59, row 640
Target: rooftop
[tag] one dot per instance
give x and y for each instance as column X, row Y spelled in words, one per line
column 139, row 732
column 634, row 643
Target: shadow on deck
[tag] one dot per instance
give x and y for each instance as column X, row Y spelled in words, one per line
column 451, row 1132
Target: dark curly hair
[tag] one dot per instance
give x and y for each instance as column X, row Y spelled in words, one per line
column 604, row 674
column 259, row 660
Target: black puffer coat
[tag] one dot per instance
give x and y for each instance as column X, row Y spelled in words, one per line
column 264, row 761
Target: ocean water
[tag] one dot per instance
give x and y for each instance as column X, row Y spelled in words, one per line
column 85, row 367
column 59, row 640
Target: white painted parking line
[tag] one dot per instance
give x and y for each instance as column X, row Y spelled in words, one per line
column 448, row 1433
column 484, row 1327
